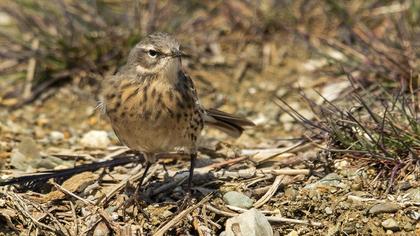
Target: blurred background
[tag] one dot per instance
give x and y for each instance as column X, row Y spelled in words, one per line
column 342, row 73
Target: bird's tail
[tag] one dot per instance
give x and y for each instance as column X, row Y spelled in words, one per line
column 230, row 124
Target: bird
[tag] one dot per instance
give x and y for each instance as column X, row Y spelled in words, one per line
column 153, row 107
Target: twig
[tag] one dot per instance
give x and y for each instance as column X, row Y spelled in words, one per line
column 196, row 224
column 74, row 216
column 20, row 205
column 278, row 219
column 207, row 220
column 227, row 162
column 241, row 210
column 166, row 187
column 220, row 212
column 161, row 231
column 286, row 171
column 273, row 219
column 30, row 71
column 65, row 191
column 270, row 192
column 123, row 183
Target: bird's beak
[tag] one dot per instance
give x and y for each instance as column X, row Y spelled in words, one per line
column 178, row 53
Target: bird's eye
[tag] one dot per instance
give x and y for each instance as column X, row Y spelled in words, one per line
column 152, row 53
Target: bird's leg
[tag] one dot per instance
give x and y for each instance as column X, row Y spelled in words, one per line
column 187, row 198
column 146, row 169
column 134, row 199
column 190, row 177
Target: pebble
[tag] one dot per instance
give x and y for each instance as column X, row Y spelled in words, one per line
column 414, row 194
column 101, row 230
column 390, row 224
column 251, row 223
column 293, row 233
column 387, row 207
column 331, row 179
column 115, row 216
column 25, row 154
column 408, row 227
column 290, row 194
column 328, row 210
column 415, row 215
column 238, row 199
column 56, row 136
column 404, row 186
column 95, row 139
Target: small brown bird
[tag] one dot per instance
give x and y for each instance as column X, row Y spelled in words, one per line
column 153, row 105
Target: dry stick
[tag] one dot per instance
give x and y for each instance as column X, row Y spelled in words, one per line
column 274, row 219
column 207, row 220
column 76, row 223
column 220, row 212
column 277, row 152
column 196, row 224
column 102, row 213
column 20, row 205
column 286, row 171
column 168, row 186
column 279, row 219
column 60, row 226
column 121, row 185
column 270, row 193
column 227, row 162
column 161, row 231
column 241, row 210
column 65, row 191
column 257, row 180
column 133, row 179
column 31, row 71
column 116, row 153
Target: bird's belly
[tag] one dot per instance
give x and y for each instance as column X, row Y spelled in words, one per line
column 153, row 135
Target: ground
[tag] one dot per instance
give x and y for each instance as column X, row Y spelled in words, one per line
column 297, row 183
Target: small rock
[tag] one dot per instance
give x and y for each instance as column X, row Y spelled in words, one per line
column 56, row 136
column 25, row 155
column 251, row 223
column 415, row 215
column 404, row 186
column 390, row 224
column 238, row 199
column 387, row 207
column 95, row 139
column 101, row 230
column 293, row 233
column 328, row 210
column 331, row 179
column 408, row 227
column 414, row 194
column 333, row 90
column 290, row 194
column 333, row 230
column 341, row 165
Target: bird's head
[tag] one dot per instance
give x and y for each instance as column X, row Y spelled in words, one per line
column 157, row 53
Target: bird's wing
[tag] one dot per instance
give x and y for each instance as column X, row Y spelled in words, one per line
column 232, row 125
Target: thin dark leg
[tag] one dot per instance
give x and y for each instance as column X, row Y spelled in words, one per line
column 190, row 177
column 188, row 196
column 146, row 169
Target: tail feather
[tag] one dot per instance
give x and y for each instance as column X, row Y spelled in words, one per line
column 227, row 123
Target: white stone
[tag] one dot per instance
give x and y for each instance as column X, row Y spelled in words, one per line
column 56, row 136
column 250, row 223
column 95, row 139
